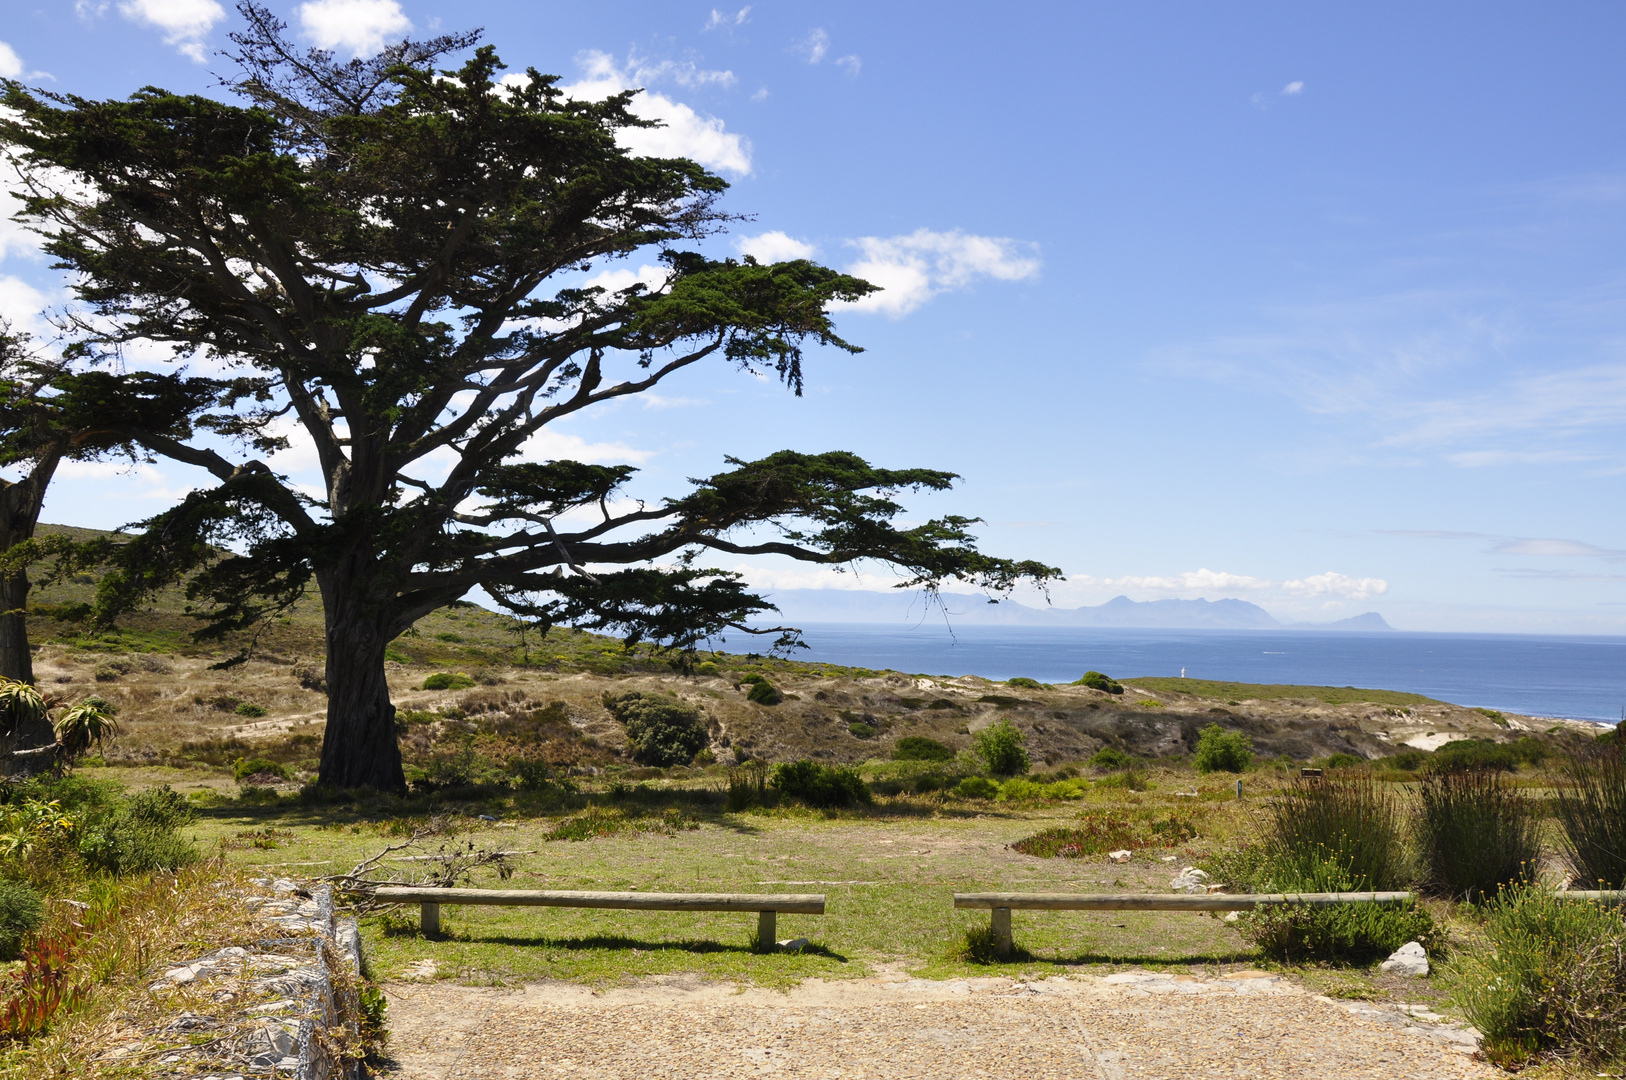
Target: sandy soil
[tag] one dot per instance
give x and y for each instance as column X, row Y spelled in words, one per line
column 1130, row 1026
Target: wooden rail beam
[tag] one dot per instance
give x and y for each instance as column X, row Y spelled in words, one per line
column 1167, row 901
column 766, row 905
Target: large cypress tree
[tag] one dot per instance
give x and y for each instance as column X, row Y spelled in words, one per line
column 380, row 244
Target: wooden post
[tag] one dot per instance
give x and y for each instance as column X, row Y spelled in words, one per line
column 429, row 921
column 1002, row 931
column 767, row 934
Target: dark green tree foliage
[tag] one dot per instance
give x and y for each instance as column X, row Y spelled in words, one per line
column 823, row 787
column 920, row 748
column 662, row 731
column 1097, row 681
column 1219, row 750
column 1001, row 749
column 391, row 249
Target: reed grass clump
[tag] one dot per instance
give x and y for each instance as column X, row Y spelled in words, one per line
column 1346, row 821
column 1592, row 810
column 1475, row 833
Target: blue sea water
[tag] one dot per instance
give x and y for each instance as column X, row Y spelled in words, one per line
column 1580, row 678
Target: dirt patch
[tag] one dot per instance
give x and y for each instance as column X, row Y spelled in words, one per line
column 1130, row 1026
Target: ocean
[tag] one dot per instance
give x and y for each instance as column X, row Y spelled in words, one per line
column 1578, row 678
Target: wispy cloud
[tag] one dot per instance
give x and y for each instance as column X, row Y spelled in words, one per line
column 913, row 268
column 184, row 23
column 850, row 64
column 722, row 19
column 1293, row 88
column 1330, row 584
column 360, row 27
column 813, row 47
column 1562, row 548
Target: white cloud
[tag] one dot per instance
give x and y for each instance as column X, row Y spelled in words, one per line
column 1295, row 87
column 547, row 445
column 1336, row 585
column 1557, row 401
column 153, row 482
column 653, row 278
column 360, row 26
column 185, row 23
column 23, row 306
column 89, row 10
column 775, row 246
column 11, row 65
column 914, row 268
column 1330, row 584
column 684, row 132
column 724, row 19
column 1546, row 546
column 814, row 46
column 850, row 64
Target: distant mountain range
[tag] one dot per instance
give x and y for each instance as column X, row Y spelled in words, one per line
column 859, row 606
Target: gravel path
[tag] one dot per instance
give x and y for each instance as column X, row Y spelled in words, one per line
column 1133, row 1026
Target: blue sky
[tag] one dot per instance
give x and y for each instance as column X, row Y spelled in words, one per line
column 1321, row 309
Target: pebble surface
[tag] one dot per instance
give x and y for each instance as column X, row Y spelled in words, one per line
column 1132, row 1026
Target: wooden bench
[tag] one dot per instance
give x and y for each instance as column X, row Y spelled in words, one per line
column 1001, row 904
column 766, row 905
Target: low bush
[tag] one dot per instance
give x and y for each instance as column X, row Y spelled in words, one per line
column 1020, row 788
column 243, row 768
column 141, row 834
column 747, row 785
column 763, row 692
column 1110, row 759
column 1097, row 681
column 920, row 748
column 976, row 787
column 1097, row 833
column 21, row 912
column 250, row 708
column 1131, row 779
column 1001, row 749
column 1549, row 979
column 706, row 669
column 1351, row 932
column 1406, row 760
column 820, row 786
column 1345, row 826
column 860, row 730
column 448, row 680
column 661, row 731
column 1476, row 833
column 1219, row 750
column 1488, row 754
column 1592, row 810
column 1345, row 761
column 1026, row 683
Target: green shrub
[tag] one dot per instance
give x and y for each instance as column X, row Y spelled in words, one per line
column 1592, row 809
column 140, row 836
column 1476, row 833
column 661, row 731
column 1097, row 681
column 1026, row 683
column 763, row 693
column 1493, row 716
column 1352, row 932
column 1406, row 760
column 1219, row 750
column 920, row 748
column 21, row 912
column 1001, row 750
column 976, row 787
column 243, row 768
column 1487, row 754
column 249, row 708
column 980, row 945
column 1343, row 826
column 448, row 680
column 531, row 774
column 860, row 730
column 820, row 786
column 751, row 678
column 706, row 668
column 747, row 785
column 1345, row 761
column 1110, row 759
column 1550, row 979
column 1130, row 779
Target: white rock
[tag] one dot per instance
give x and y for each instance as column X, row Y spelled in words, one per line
column 1120, row 856
column 795, row 944
column 1190, row 880
column 1410, row 959
column 180, row 975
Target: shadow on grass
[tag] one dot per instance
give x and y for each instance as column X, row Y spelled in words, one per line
column 619, row 943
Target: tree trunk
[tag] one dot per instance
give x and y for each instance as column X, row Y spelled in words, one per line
column 16, row 660
column 360, row 748
column 20, row 506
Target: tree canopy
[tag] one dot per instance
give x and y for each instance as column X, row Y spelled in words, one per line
column 390, row 255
